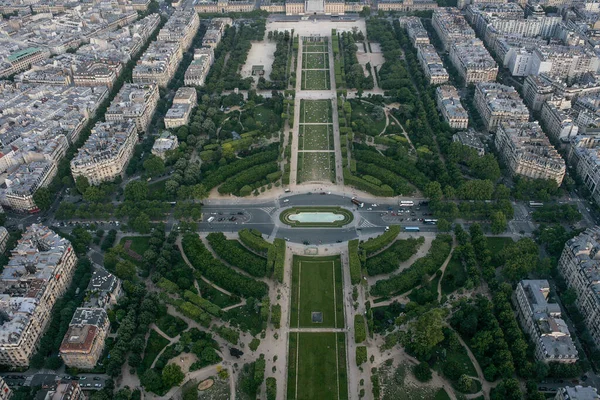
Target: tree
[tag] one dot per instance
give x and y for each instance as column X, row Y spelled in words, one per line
column 93, row 194
column 569, row 297
column 136, row 191
column 82, row 183
column 422, row 372
column 426, row 333
column 172, row 375
column 154, row 166
column 433, row 191
column 141, row 223
column 125, row 270
column 499, row 223
column 444, row 225
column 43, row 198
column 366, row 11
column 464, row 384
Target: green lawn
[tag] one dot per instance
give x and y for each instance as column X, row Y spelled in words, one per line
column 315, row 47
column 455, row 275
column 315, row 111
column 316, row 167
column 317, row 287
column 362, row 111
column 462, row 358
column 317, row 366
column 315, row 60
column 315, row 79
column 154, row 345
column 139, row 244
column 215, row 296
column 441, row 395
column 316, row 137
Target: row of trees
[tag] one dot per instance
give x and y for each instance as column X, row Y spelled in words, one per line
column 353, row 72
column 278, row 79
column 426, row 266
column 388, row 260
column 217, row 272
column 235, row 254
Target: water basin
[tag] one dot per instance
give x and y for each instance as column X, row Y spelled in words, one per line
column 321, row 217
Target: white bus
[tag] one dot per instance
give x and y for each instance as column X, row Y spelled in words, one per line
column 535, row 204
column 407, row 203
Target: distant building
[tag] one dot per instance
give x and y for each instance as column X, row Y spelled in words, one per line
column 415, row 29
column 542, row 321
column 527, row 151
column 451, row 26
column 584, row 156
column 163, row 144
column 183, row 103
column 83, row 343
column 214, row 32
column 470, row 139
column 473, row 62
column 577, row 393
column 39, row 271
column 448, row 102
column 103, row 290
column 4, row 236
column 23, row 182
column 432, row 64
column 406, row 5
column 224, row 6
column 5, row 392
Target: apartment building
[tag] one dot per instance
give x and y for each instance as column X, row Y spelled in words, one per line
column 96, row 73
column 579, row 264
column 406, row 5
column 21, row 60
column 39, row 271
column 5, row 391
column 470, row 139
column 451, row 26
column 164, row 143
column 106, row 153
column 557, row 117
column 136, row 102
column 566, row 62
column 527, row 151
column 84, row 341
column 432, row 64
column 415, row 29
column 158, row 64
column 536, row 90
column 473, row 62
column 22, row 182
column 184, row 101
column 104, row 289
column 214, row 32
column 497, row 103
column 577, row 393
column 181, row 28
column 542, row 321
column 448, row 102
column 196, row 73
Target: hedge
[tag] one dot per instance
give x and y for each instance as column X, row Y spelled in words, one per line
column 354, row 262
column 202, row 303
column 217, row 272
column 409, row 278
column 375, row 244
column 405, row 169
column 388, row 260
column 360, row 332
column 237, row 255
column 276, row 316
column 254, row 241
column 247, row 177
column 361, row 355
column 271, row 388
column 279, row 259
column 223, row 173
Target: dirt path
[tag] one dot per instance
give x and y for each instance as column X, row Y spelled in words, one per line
column 486, row 386
column 171, row 341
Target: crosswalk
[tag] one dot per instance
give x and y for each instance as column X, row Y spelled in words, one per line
column 268, row 210
column 363, row 223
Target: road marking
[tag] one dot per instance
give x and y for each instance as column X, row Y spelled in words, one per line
column 366, row 224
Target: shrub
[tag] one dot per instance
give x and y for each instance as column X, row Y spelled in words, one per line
column 361, row 355
column 373, row 245
column 422, row 372
column 354, row 261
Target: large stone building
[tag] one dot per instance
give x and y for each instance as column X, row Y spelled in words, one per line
column 183, row 103
column 415, row 29
column 542, row 321
column 70, row 390
column 579, row 264
column 432, row 64
column 84, row 341
column 577, row 393
column 39, row 271
column 224, row 6
column 451, row 26
column 22, row 182
column 448, row 102
column 136, row 102
column 497, row 103
column 164, row 143
column 527, row 151
column 158, row 64
column 106, row 153
column 473, row 62
column 584, row 156
column 5, row 392
column 406, row 5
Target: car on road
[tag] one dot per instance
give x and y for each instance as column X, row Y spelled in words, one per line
column 374, row 205
column 98, row 385
column 369, row 209
column 97, row 378
column 286, row 200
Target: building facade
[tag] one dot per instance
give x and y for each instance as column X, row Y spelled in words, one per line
column 84, row 341
column 136, row 102
column 448, row 102
column 497, row 103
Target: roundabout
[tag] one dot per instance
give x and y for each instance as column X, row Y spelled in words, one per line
column 316, row 217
